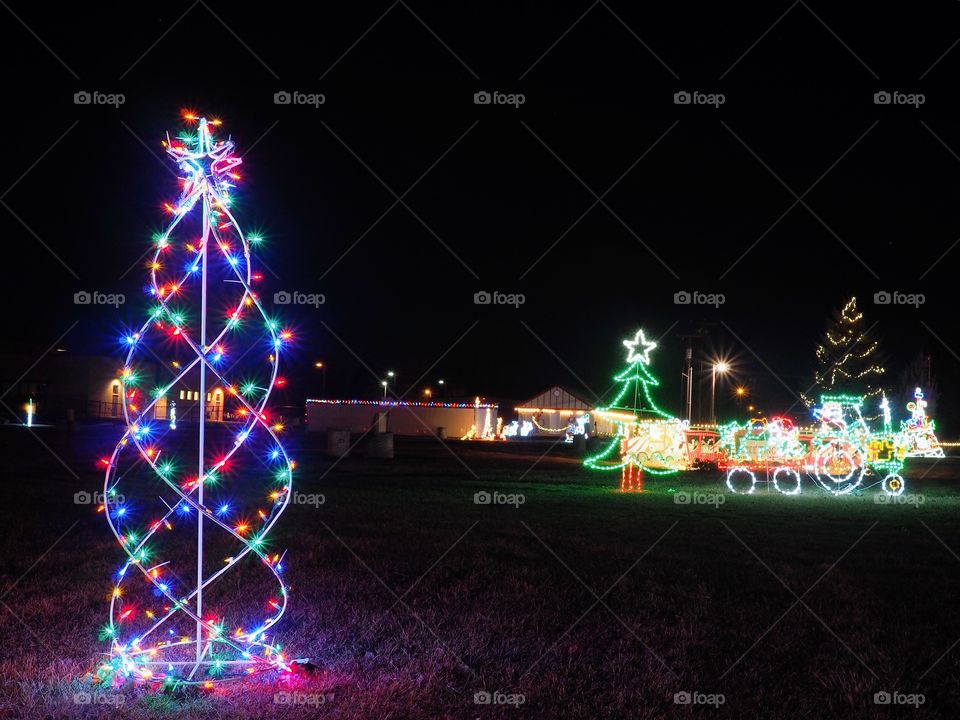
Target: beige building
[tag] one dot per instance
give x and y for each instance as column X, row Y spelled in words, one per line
column 441, row 419
column 552, row 410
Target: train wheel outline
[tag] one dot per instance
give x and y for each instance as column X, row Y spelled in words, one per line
column 786, row 470
column 737, row 470
column 893, row 484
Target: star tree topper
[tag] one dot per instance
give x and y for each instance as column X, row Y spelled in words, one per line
column 645, row 347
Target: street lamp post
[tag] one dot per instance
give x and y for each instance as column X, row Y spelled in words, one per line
column 384, row 383
column 322, row 367
column 718, row 367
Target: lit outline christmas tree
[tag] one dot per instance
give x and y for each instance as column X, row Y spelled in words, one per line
column 208, row 167
column 629, row 421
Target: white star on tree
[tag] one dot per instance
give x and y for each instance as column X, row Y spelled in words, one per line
column 645, row 345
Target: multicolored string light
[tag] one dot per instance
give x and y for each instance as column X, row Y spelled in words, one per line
column 143, row 643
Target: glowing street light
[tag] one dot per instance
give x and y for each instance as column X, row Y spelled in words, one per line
column 740, row 392
column 384, row 383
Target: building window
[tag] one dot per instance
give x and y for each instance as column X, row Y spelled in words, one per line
column 182, row 395
column 216, row 411
column 115, row 399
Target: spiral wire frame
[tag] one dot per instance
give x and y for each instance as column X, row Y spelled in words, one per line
column 208, row 166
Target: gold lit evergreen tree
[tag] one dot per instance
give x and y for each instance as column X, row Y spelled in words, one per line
column 847, row 359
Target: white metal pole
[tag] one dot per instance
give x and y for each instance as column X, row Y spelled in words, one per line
column 203, row 418
column 713, row 392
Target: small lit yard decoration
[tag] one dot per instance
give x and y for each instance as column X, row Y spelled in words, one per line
column 203, row 304
column 917, row 436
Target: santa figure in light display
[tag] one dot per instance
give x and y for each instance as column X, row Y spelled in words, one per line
column 917, row 436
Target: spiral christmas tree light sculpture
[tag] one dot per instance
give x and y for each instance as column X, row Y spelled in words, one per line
column 172, row 481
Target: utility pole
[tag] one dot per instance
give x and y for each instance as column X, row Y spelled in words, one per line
column 686, row 373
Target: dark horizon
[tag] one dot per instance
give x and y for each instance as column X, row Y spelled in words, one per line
column 505, row 198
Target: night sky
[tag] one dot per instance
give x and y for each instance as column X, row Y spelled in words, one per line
column 692, row 197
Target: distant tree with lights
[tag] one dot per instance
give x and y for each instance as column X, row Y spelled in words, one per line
column 847, row 358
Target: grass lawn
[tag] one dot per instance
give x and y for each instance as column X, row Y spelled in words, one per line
column 409, row 598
